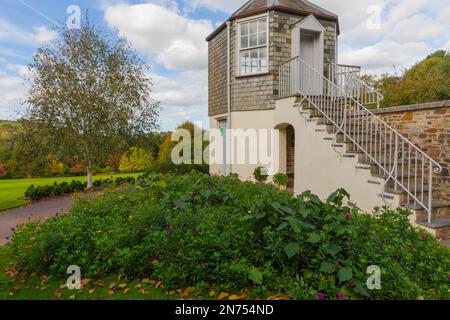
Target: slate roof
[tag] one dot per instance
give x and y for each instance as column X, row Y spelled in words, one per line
column 300, row 5
column 303, row 7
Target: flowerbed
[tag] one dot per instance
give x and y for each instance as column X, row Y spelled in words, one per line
column 197, row 230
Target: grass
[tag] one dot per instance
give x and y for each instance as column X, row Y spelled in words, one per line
column 42, row 288
column 12, row 191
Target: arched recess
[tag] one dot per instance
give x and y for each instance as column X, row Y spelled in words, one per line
column 287, row 152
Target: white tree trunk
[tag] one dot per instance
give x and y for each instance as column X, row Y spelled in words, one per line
column 90, row 179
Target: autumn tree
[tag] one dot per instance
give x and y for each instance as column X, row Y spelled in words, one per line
column 89, row 90
column 426, row 81
column 135, row 160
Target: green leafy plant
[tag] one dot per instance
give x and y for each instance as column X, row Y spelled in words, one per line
column 281, row 180
column 260, row 174
column 189, row 229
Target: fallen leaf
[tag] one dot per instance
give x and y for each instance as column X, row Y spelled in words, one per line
column 14, row 291
column 57, row 294
column 91, row 291
column 72, row 297
column 212, row 293
column 234, row 297
column 158, row 284
column 127, row 290
column 138, row 286
column 122, row 286
column 184, row 293
column 144, row 292
column 222, row 296
column 112, row 285
column 110, row 292
column 99, row 283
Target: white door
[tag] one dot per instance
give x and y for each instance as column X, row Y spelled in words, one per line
column 307, row 55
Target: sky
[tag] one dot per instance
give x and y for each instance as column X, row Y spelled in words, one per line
column 382, row 36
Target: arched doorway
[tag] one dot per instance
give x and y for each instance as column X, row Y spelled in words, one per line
column 290, row 156
column 287, row 152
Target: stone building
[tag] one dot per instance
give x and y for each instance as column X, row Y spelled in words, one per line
column 273, row 66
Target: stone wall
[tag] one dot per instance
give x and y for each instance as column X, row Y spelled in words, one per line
column 217, row 74
column 256, row 92
column 427, row 126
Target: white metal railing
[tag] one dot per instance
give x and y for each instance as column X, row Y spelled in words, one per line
column 348, row 78
column 402, row 164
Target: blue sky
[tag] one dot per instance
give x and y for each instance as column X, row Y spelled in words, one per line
column 380, row 35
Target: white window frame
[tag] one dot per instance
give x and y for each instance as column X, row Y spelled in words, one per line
column 238, row 58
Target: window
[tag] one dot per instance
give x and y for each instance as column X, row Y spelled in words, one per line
column 253, row 50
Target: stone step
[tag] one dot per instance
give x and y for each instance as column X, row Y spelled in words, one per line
column 441, row 210
column 438, row 227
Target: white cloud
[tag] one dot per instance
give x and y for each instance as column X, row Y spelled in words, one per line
column 228, row 6
column 12, row 91
column 409, row 31
column 12, row 33
column 43, row 35
column 183, row 97
column 178, row 43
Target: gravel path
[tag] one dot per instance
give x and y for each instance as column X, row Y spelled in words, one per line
column 44, row 209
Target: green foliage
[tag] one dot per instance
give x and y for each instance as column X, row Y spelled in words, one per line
column 426, row 81
column 41, row 192
column 58, row 189
column 281, row 179
column 260, row 174
column 179, row 169
column 191, row 229
column 135, row 160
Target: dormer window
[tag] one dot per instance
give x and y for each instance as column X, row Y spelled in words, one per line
column 252, row 43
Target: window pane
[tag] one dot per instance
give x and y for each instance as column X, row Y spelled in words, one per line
column 263, row 65
column 254, row 54
column 253, row 27
column 244, row 29
column 253, row 40
column 262, row 25
column 262, row 53
column 244, row 42
column 254, row 66
column 262, row 39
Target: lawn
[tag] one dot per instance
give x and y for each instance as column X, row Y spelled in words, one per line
column 12, row 191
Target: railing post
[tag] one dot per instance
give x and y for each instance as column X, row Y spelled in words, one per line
column 430, row 193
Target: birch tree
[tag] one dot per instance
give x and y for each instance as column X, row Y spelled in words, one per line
column 89, row 89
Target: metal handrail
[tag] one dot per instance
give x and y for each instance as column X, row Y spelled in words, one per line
column 348, row 77
column 397, row 159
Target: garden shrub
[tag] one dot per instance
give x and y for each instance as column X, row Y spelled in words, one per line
column 41, row 192
column 281, row 180
column 179, row 169
column 260, row 174
column 196, row 229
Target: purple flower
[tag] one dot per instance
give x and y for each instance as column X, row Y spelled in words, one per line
column 448, row 277
column 424, row 237
column 254, row 283
column 341, row 295
column 169, row 231
column 348, row 216
column 205, row 265
column 320, row 295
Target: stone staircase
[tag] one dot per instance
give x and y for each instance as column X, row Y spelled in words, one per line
column 390, row 193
